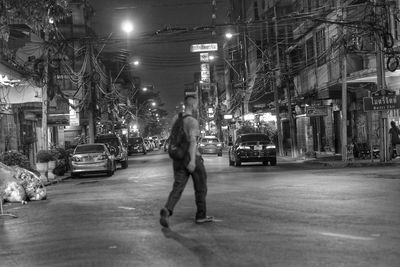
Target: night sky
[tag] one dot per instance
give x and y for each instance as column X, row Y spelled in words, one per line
column 166, row 60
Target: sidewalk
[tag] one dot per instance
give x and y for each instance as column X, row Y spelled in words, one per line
column 336, row 161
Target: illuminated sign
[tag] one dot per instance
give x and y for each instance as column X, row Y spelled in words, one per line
column 228, row 116
column 204, row 57
column 204, row 47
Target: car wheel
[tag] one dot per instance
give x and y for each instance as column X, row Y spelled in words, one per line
column 124, row 164
column 265, row 163
column 144, row 152
column 220, row 154
column 273, row 162
column 75, row 175
column 237, row 163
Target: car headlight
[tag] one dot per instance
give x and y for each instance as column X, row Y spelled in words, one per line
column 243, row 147
column 76, row 159
column 202, row 145
column 271, row 146
column 219, row 144
column 102, row 157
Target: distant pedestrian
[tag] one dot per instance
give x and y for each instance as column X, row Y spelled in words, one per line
column 191, row 165
column 394, row 135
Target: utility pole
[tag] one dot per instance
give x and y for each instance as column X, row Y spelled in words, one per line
column 381, row 84
column 45, row 100
column 275, row 86
column 92, row 98
column 343, row 65
column 245, row 54
column 292, row 125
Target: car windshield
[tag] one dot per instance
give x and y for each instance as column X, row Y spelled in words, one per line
column 209, row 140
column 135, row 140
column 111, row 141
column 255, row 138
column 89, row 149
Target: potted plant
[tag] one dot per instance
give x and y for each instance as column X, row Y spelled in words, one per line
column 43, row 158
column 62, row 161
column 52, row 164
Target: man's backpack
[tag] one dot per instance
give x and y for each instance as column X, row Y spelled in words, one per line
column 178, row 142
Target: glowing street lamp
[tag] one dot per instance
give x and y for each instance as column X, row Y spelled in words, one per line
column 127, row 26
column 229, row 35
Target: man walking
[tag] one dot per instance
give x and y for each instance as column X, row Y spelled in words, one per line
column 394, row 134
column 191, row 165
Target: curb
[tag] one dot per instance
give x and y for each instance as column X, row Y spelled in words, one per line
column 350, row 164
column 338, row 163
column 58, row 179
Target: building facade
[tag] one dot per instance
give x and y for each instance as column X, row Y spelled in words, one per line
column 295, row 57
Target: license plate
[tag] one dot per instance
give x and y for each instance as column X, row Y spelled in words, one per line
column 258, row 147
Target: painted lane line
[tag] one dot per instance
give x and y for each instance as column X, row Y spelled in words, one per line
column 353, row 237
column 126, row 208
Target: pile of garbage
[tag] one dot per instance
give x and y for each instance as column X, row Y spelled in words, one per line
column 19, row 185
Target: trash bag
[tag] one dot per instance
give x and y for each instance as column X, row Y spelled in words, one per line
column 18, row 184
column 14, row 192
column 33, row 185
column 10, row 189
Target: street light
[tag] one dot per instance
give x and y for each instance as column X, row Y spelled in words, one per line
column 127, row 26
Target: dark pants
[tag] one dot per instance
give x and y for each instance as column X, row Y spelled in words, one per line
column 181, row 176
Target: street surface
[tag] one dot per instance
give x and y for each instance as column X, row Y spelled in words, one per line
column 292, row 214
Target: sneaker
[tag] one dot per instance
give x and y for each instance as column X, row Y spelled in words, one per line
column 164, row 215
column 205, row 220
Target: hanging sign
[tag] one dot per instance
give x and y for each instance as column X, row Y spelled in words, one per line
column 204, row 58
column 314, row 111
column 203, row 47
column 381, row 102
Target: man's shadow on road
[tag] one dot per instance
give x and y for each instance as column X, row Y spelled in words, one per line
column 206, row 255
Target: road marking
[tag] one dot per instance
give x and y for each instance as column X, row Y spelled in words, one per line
column 126, row 208
column 348, row 236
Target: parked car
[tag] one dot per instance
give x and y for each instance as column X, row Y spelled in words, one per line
column 120, row 151
column 166, row 144
column 210, row 145
column 162, row 142
column 156, row 141
column 92, row 158
column 148, row 145
column 136, row 145
column 252, row 147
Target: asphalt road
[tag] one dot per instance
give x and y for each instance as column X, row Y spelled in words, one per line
column 291, row 214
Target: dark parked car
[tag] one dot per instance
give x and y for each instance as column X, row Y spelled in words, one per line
column 92, row 158
column 210, row 145
column 136, row 145
column 114, row 142
column 252, row 147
